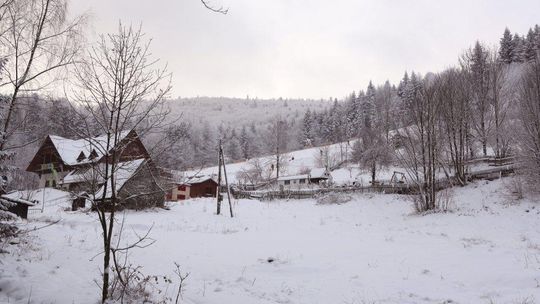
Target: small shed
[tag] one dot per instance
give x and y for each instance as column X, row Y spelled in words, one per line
column 17, row 206
column 197, row 186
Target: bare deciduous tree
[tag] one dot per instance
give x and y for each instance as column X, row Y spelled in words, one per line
column 121, row 88
column 38, row 41
column 454, row 98
column 277, row 138
column 420, row 146
column 529, row 107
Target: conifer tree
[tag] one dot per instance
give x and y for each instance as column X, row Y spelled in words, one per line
column 507, row 47
column 530, row 46
column 518, row 46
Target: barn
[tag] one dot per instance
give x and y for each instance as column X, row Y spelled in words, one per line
column 197, row 186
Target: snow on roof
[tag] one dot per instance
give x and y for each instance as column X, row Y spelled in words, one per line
column 38, row 195
column 83, row 174
column 318, row 173
column 70, row 149
column 199, row 179
column 293, row 177
column 17, row 200
column 125, row 171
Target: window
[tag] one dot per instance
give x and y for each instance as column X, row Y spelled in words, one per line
column 302, row 181
column 182, row 188
column 181, row 197
column 287, row 182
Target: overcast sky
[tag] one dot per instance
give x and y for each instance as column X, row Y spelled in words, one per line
column 310, row 48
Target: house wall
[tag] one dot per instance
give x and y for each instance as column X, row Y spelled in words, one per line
column 178, row 192
column 142, row 190
column 204, row 189
column 49, row 180
column 293, row 183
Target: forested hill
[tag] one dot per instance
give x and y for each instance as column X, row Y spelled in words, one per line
column 240, row 111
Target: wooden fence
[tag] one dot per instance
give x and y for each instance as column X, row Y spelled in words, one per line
column 443, row 183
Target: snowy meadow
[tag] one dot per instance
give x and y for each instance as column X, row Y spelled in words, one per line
column 372, row 249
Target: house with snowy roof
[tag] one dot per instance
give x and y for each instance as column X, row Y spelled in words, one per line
column 78, row 166
column 315, row 176
column 68, row 163
column 191, row 187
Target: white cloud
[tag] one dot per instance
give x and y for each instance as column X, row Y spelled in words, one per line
column 317, row 49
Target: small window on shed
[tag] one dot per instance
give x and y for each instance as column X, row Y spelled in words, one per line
column 302, row 181
column 287, row 182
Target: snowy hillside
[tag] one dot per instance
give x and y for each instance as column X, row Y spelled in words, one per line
column 303, row 160
column 369, row 250
column 239, row 111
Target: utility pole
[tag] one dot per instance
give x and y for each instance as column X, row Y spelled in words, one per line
column 226, row 182
column 218, row 195
column 221, row 163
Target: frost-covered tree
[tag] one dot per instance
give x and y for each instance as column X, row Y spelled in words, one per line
column 529, row 109
column 454, row 94
column 531, row 46
column 475, row 62
column 368, row 106
column 518, row 48
column 307, row 132
column 419, row 151
column 506, row 48
column 122, row 88
column 276, row 142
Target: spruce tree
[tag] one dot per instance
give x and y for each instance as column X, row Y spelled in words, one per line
column 517, row 48
column 507, row 47
column 307, row 130
column 530, row 46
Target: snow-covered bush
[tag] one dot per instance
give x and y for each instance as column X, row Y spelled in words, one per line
column 334, row 198
column 132, row 286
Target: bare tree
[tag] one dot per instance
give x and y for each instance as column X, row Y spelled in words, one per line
column 500, row 93
column 38, row 41
column 529, row 107
column 372, row 151
column 475, row 61
column 121, row 88
column 420, row 147
column 215, row 9
column 454, row 98
column 277, row 138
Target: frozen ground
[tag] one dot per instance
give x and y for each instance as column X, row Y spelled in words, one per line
column 369, row 250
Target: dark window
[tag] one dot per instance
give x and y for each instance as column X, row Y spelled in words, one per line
column 182, row 188
column 287, row 182
column 181, row 197
column 302, row 181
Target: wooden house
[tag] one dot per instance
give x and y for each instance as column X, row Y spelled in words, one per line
column 79, row 166
column 68, row 163
column 137, row 185
column 198, row 186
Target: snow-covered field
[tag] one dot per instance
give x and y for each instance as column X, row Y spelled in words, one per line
column 369, row 250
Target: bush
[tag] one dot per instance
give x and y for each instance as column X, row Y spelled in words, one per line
column 334, row 199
